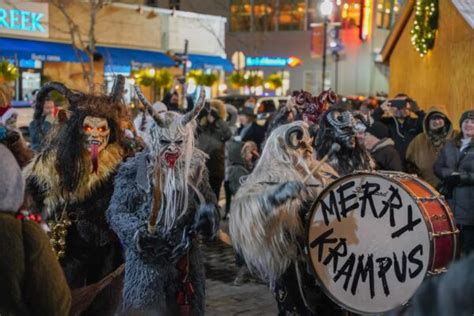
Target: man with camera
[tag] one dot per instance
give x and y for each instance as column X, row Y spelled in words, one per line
column 403, row 119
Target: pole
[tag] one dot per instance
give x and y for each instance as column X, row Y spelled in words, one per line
column 182, row 100
column 337, row 71
column 325, row 42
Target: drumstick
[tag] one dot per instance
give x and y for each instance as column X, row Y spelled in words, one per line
column 334, row 149
column 152, row 220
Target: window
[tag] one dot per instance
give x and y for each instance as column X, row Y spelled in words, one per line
column 267, row 15
column 350, row 14
column 240, row 15
column 387, row 12
column 291, row 15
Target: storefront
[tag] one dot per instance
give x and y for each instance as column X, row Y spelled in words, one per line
column 36, row 38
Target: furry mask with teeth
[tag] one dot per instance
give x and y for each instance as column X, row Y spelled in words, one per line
column 97, row 133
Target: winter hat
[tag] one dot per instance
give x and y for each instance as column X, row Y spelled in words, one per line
column 466, row 115
column 6, row 113
column 247, row 110
column 12, row 184
column 378, row 130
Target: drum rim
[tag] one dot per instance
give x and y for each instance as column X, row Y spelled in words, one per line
column 308, row 224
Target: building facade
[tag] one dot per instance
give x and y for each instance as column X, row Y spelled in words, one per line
column 36, row 37
column 272, row 30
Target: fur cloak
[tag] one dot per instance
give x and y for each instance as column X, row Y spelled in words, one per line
column 150, row 287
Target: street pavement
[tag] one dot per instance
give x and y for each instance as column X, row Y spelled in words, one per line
column 222, row 296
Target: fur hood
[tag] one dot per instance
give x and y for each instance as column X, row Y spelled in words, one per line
column 437, row 109
column 12, row 185
column 220, row 108
column 381, row 144
column 43, row 172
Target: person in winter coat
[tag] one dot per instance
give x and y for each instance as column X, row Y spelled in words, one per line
column 31, row 279
column 249, row 130
column 231, row 120
column 42, row 122
column 403, row 124
column 424, row 148
column 455, row 168
column 213, row 132
column 375, row 139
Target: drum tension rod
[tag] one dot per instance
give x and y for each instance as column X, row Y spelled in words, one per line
column 445, row 233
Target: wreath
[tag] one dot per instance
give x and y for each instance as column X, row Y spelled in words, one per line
column 424, row 28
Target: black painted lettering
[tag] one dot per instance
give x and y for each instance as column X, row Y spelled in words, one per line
column 334, row 254
column 400, row 272
column 367, row 198
column 391, row 205
column 346, row 270
column 321, row 240
column 415, row 261
column 332, row 209
column 363, row 272
column 410, row 224
column 384, row 265
column 343, row 198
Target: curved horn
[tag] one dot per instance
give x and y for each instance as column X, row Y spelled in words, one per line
column 298, row 130
column 118, row 88
column 53, row 86
column 188, row 117
column 154, row 114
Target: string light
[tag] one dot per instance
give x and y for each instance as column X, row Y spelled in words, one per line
column 425, row 26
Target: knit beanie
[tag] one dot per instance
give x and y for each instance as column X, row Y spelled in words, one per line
column 12, row 184
column 466, row 115
column 378, row 130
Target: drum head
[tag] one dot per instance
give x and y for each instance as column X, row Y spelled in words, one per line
column 368, row 243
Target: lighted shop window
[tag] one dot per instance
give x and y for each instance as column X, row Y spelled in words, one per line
column 387, row 12
column 350, row 13
column 240, row 15
column 291, row 15
column 264, row 15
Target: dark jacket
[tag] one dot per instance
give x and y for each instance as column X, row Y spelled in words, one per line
column 211, row 140
column 402, row 133
column 255, row 133
column 386, row 156
column 38, row 130
column 237, row 167
column 31, row 279
column 450, row 160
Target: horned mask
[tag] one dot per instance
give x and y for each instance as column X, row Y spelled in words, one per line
column 171, row 136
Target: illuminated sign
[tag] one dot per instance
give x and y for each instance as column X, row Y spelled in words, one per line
column 24, row 18
column 366, row 20
column 272, row 61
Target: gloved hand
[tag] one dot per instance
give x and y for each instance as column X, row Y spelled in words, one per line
column 287, row 191
column 151, row 246
column 453, row 179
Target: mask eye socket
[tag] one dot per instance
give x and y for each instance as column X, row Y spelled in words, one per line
column 179, row 142
column 164, row 142
column 101, row 129
column 87, row 128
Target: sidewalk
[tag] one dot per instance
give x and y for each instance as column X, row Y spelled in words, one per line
column 222, row 297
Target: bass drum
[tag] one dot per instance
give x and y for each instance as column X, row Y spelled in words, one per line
column 372, row 238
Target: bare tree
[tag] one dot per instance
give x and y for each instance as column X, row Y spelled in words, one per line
column 84, row 46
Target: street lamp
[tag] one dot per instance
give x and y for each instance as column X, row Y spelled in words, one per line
column 326, row 10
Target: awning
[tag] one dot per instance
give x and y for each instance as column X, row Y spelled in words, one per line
column 210, row 62
column 36, row 50
column 124, row 56
column 62, row 52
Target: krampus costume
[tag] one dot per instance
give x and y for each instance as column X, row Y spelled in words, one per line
column 267, row 219
column 161, row 200
column 337, row 126
column 71, row 181
column 303, row 106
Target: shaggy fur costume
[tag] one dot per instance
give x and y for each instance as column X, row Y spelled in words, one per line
column 151, row 287
column 266, row 221
column 60, row 178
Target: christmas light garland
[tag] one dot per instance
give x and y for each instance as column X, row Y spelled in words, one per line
column 424, row 29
